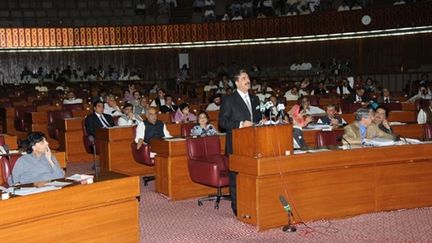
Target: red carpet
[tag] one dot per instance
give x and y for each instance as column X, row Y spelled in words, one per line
column 184, row 221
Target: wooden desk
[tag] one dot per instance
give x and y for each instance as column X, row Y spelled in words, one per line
column 332, row 184
column 172, row 173
column 11, row 141
column 174, row 129
column 394, row 116
column 8, row 120
column 105, row 211
column 408, row 131
column 115, row 151
column 71, row 140
column 409, row 106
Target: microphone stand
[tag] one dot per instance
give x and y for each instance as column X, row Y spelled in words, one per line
column 289, row 227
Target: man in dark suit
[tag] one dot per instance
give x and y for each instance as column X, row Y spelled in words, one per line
column 385, row 97
column 169, row 106
column 238, row 110
column 358, row 97
column 97, row 119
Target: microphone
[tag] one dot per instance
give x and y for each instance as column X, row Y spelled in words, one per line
column 342, row 138
column 289, row 227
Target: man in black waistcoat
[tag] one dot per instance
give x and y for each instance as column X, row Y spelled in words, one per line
column 238, row 110
column 150, row 128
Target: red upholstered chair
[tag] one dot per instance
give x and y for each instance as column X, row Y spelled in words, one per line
column 207, row 166
column 428, row 132
column 329, row 138
column 186, row 129
column 5, row 171
column 53, row 132
column 142, row 156
column 2, row 140
column 19, row 116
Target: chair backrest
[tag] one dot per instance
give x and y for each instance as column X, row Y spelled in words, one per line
column 186, row 129
column 201, row 147
column 52, row 117
column 88, row 145
column 19, row 116
column 428, row 131
column 72, row 107
column 142, row 155
column 5, row 170
column 350, row 108
column 2, row 140
column 329, row 138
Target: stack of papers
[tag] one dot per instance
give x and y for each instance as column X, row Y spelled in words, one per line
column 379, row 142
column 84, row 179
column 58, row 183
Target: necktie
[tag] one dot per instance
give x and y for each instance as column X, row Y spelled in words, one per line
column 386, row 100
column 104, row 122
column 248, row 104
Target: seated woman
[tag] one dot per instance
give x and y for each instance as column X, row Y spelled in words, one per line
column 183, row 115
column 38, row 166
column 204, row 128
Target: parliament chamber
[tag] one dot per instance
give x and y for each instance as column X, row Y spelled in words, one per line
column 379, row 47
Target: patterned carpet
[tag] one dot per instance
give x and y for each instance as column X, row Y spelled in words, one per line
column 184, row 221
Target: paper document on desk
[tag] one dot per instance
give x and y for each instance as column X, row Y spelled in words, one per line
column 79, row 177
column 23, row 191
column 396, row 123
column 318, row 126
column 379, row 142
column 174, row 139
column 58, row 183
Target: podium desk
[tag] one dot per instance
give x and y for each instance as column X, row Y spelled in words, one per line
column 105, row 211
column 171, row 170
column 71, row 140
column 332, row 184
column 115, row 152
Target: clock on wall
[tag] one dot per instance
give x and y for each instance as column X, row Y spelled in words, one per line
column 366, row 20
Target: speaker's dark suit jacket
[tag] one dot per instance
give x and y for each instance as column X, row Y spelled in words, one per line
column 233, row 111
column 92, row 122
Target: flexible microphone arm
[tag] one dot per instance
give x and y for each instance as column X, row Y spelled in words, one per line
column 342, row 138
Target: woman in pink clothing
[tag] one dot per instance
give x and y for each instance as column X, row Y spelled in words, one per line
column 183, row 115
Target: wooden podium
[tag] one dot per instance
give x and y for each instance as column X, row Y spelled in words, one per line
column 265, row 141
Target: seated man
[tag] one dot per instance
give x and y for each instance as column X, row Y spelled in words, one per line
column 169, row 105
column 150, row 128
column 128, row 117
column 385, row 97
column 358, row 97
column 97, row 120
column 38, row 166
column 363, row 128
column 215, row 105
column 331, row 118
column 380, row 119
